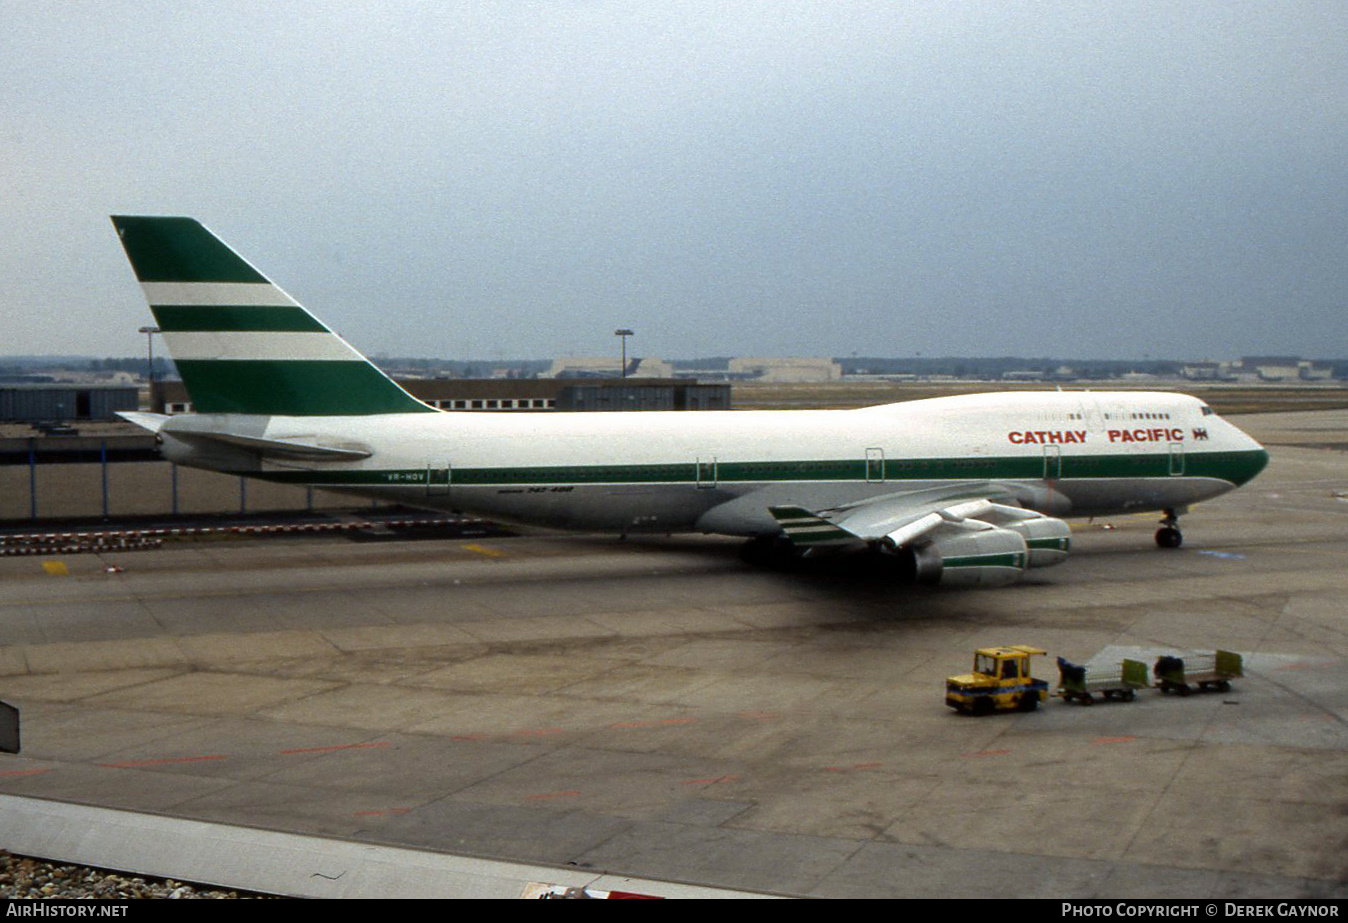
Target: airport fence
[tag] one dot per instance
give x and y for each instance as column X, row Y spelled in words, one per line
column 47, row 479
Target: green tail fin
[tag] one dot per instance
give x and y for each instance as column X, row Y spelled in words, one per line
column 240, row 343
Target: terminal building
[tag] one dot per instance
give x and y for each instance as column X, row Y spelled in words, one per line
column 55, row 401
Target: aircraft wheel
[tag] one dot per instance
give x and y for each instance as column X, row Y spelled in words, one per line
column 774, row 551
column 1168, row 537
column 757, row 551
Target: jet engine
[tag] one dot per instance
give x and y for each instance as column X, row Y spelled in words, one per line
column 978, row 554
column 1047, row 539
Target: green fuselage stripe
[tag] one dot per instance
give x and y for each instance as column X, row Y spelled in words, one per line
column 1233, row 467
column 175, row 318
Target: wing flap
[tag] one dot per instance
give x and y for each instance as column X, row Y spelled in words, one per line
column 809, row 530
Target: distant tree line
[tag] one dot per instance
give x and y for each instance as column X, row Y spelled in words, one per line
column 163, row 366
column 998, row 366
column 955, row 366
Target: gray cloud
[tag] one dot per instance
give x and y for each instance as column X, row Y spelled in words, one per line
column 517, row 179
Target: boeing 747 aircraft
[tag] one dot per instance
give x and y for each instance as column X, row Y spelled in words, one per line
column 966, row 490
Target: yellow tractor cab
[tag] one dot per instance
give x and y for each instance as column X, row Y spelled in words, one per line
column 1001, row 681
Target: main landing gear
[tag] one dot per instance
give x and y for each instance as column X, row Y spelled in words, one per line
column 1169, row 535
column 772, row 551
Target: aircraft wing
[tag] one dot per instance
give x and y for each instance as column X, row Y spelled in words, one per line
column 896, row 519
column 972, row 534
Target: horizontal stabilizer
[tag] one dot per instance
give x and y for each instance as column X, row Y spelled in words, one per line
column 296, row 448
column 150, row 421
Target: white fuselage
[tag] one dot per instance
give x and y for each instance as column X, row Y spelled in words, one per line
column 1061, row 453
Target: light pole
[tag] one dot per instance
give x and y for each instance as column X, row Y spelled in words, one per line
column 624, row 333
column 149, row 360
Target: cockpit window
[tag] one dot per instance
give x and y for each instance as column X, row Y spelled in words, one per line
column 1208, row 411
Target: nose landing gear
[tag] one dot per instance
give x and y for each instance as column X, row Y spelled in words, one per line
column 1169, row 535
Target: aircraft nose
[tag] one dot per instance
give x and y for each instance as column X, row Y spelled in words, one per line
column 1249, row 463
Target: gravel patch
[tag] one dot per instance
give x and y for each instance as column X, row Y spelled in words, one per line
column 22, row 878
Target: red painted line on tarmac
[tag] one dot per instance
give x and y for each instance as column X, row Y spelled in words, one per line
column 162, row 762
column 546, row 795
column 654, row 723
column 854, row 768
column 1114, row 740
column 980, row 753
column 23, row 772
column 759, row 715
column 335, row 747
column 381, row 812
column 526, row 732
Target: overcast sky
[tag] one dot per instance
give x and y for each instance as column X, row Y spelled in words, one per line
column 491, row 180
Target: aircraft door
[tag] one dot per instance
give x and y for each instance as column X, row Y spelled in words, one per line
column 1052, row 462
column 437, row 478
column 1176, row 459
column 706, row 472
column 875, row 466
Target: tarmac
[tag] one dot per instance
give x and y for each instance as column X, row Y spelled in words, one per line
column 656, row 710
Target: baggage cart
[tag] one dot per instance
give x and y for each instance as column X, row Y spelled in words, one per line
column 1081, row 684
column 1205, row 672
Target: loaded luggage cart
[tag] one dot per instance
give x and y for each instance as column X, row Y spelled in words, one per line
column 1203, row 671
column 1079, row 684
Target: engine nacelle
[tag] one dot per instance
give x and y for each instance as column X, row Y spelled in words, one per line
column 1049, row 540
column 986, row 556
